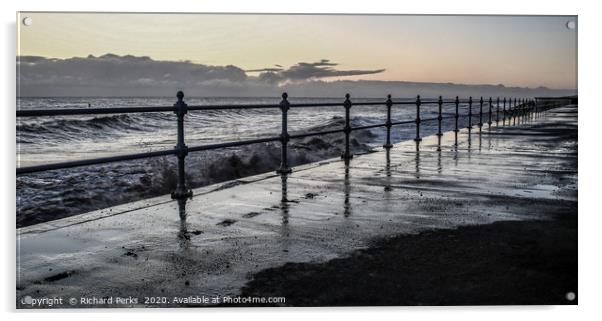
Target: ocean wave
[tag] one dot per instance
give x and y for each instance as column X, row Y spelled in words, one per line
column 77, row 128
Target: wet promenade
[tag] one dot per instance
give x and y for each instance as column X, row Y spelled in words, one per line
column 321, row 211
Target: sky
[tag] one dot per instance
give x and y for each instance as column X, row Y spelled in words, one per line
column 523, row 51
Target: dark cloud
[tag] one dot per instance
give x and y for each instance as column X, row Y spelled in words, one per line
column 304, row 71
column 113, row 71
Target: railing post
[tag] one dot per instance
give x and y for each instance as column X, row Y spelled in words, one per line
column 514, row 113
column 181, row 109
column 439, row 119
column 504, row 113
column 456, row 116
column 470, row 113
column 284, row 137
column 518, row 110
column 347, row 104
column 521, row 109
column 497, row 114
column 510, row 112
column 417, row 139
column 481, row 113
column 388, row 124
column 490, row 103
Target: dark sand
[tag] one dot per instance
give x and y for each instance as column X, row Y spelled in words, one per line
column 504, row 263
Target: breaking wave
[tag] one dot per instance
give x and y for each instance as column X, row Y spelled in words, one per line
column 65, row 129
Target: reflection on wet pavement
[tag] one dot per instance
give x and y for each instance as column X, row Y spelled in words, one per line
column 211, row 243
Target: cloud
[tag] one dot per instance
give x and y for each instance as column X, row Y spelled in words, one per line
column 114, row 71
column 305, row 71
column 117, row 74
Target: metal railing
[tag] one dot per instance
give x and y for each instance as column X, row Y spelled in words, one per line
column 517, row 109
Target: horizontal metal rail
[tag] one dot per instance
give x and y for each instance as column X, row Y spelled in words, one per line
column 233, row 144
column 326, row 132
column 95, row 161
column 39, row 112
column 403, row 122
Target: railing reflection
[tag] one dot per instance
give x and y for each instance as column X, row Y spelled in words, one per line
column 516, row 116
column 347, row 192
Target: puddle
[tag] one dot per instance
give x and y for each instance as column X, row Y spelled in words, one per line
column 539, row 191
column 226, row 222
column 49, row 244
column 60, row 276
column 251, row 214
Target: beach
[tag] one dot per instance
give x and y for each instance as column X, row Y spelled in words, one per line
column 503, row 263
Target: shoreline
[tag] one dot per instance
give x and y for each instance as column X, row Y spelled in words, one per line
column 503, row 263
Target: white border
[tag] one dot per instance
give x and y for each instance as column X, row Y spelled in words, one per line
column 589, row 139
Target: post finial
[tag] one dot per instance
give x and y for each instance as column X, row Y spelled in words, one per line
column 180, row 95
column 389, row 96
column 347, row 96
column 284, row 95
